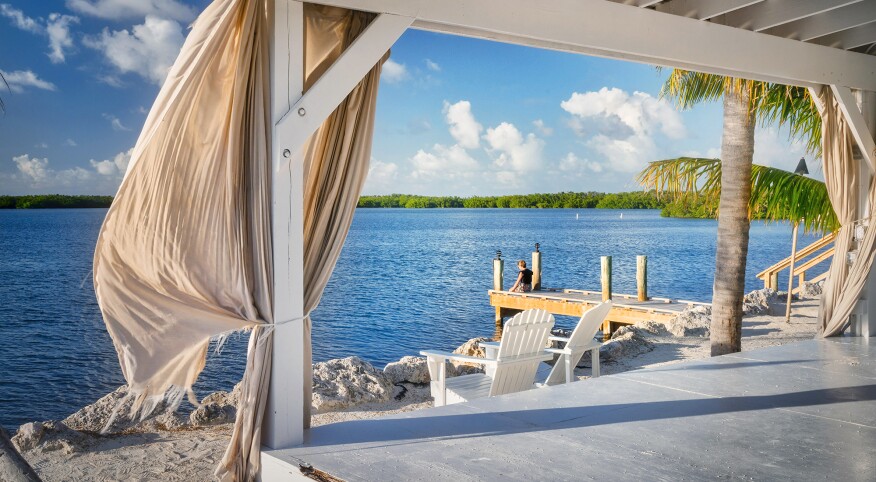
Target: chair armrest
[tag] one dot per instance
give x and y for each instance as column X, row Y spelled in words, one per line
column 489, row 343
column 562, row 339
column 443, row 355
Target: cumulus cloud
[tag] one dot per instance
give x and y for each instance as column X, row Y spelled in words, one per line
column 542, row 128
column 115, row 122
column 35, row 174
column 393, row 72
column 133, row 9
column 772, row 148
column 115, row 166
column 19, row 19
column 623, row 126
column 442, row 161
column 70, row 143
column 20, row 80
column 58, row 30
column 573, row 164
column 148, row 50
column 432, row 65
column 514, row 151
column 463, row 126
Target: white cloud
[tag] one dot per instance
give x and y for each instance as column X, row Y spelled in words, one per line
column 115, row 122
column 133, row 9
column 542, row 128
column 393, row 72
column 573, row 164
column 622, row 126
column 433, row 66
column 58, row 29
column 34, row 174
column 19, row 19
column 42, row 145
column 514, row 151
column 22, row 79
column 148, row 49
column 463, row 126
column 444, row 162
column 115, row 166
column 70, row 143
column 772, row 148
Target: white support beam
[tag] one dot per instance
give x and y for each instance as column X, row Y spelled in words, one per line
column 327, row 93
column 851, row 38
column 849, row 105
column 827, row 23
column 638, row 3
column 608, row 29
column 703, row 9
column 772, row 13
column 284, row 415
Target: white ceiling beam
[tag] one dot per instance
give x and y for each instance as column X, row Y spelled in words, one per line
column 851, row 38
column 607, row 29
column 827, row 23
column 638, row 3
column 772, row 13
column 848, row 103
column 703, row 9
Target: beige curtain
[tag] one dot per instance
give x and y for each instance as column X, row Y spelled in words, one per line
column 184, row 255
column 841, row 176
column 336, row 159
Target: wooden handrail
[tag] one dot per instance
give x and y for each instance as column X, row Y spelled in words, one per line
column 785, row 263
column 770, row 275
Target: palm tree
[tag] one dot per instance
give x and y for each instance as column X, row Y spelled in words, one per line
column 2, row 104
column 745, row 101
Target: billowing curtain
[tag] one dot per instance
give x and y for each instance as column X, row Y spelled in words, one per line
column 184, row 255
column 841, row 176
column 336, row 159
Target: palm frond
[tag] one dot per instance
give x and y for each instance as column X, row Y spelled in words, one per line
column 3, row 104
column 770, row 103
column 776, row 195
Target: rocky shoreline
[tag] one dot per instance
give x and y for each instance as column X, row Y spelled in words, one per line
column 345, row 389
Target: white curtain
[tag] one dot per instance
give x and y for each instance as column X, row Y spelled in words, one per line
column 842, row 178
column 184, row 255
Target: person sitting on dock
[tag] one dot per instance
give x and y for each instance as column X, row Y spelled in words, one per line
column 524, row 279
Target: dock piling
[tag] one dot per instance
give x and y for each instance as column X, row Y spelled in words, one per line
column 606, row 278
column 642, row 277
column 536, row 268
column 498, row 272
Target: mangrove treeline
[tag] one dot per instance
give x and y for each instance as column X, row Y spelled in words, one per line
column 623, row 200
column 51, row 201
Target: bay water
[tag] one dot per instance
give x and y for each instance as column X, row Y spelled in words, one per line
column 407, row 280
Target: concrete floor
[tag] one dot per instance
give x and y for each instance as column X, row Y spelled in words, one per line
column 804, row 411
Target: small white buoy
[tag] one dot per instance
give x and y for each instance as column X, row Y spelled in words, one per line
column 622, row 215
column 576, row 215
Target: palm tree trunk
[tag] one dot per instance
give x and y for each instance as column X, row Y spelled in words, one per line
column 737, row 151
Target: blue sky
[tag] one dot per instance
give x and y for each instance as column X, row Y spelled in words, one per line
column 455, row 115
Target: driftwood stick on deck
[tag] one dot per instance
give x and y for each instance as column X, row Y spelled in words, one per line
column 13, row 467
column 606, row 278
column 642, row 277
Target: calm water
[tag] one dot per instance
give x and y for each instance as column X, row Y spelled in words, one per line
column 407, row 280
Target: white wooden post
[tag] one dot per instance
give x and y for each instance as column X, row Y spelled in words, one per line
column 297, row 115
column 865, row 320
column 284, row 417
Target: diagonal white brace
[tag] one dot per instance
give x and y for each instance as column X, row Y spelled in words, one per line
column 336, row 83
column 849, row 105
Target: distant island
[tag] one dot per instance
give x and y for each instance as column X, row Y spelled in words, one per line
column 54, row 201
column 678, row 208
column 583, row 200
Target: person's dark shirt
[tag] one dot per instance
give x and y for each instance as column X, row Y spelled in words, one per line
column 527, row 277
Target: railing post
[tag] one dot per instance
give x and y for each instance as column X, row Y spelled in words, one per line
column 498, row 272
column 606, row 278
column 642, row 277
column 536, row 269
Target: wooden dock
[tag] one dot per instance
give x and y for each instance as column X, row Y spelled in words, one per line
column 627, row 309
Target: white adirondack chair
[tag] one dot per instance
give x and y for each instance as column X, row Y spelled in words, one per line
column 512, row 370
column 579, row 342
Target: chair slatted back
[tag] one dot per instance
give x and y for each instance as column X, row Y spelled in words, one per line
column 523, row 335
column 589, row 324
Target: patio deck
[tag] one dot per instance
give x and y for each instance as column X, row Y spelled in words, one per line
column 799, row 411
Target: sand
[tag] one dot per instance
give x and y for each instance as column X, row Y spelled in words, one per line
column 192, row 454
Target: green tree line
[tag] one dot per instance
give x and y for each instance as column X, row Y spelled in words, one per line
column 624, row 200
column 46, row 201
